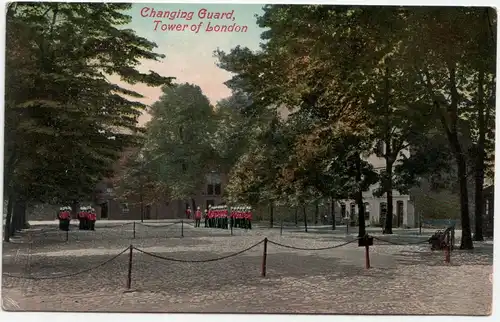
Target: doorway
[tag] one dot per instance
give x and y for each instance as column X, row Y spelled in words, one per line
column 104, row 210
column 400, row 212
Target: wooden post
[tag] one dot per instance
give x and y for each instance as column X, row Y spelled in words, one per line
column 134, row 231
column 367, row 257
column 129, row 276
column 264, row 258
column 447, row 249
column 182, row 228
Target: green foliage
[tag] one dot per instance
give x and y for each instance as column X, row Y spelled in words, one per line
column 66, row 123
column 180, row 146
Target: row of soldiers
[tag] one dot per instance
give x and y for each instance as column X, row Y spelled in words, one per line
column 222, row 217
column 87, row 217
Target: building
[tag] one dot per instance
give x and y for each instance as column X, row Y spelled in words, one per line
column 376, row 207
column 489, row 210
column 109, row 207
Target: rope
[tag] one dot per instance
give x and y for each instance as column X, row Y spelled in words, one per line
column 400, row 244
column 201, row 260
column 159, row 226
column 67, row 275
column 301, row 248
column 116, row 226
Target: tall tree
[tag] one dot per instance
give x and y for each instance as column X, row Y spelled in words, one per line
column 59, row 98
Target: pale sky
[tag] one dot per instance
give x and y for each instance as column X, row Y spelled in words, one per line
column 189, row 55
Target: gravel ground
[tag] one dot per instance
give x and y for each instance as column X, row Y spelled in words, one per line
column 406, row 279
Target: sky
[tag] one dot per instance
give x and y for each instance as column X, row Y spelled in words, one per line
column 189, row 55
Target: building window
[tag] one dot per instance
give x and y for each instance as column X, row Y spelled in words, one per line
column 353, row 210
column 367, row 211
column 125, row 208
column 214, row 184
column 217, row 189
column 487, row 207
column 343, row 210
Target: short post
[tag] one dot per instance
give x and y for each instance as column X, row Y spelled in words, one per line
column 264, row 258
column 420, row 228
column 281, row 228
column 347, row 227
column 447, row 249
column 367, row 257
column 67, row 234
column 134, row 231
column 231, row 224
column 182, row 228
column 366, row 241
column 129, row 277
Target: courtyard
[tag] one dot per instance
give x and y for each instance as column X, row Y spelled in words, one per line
column 405, row 277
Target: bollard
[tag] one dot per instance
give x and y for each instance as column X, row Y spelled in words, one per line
column 264, row 258
column 367, row 257
column 182, row 228
column 447, row 249
column 281, row 228
column 134, row 231
column 67, row 234
column 347, row 228
column 231, row 229
column 129, row 277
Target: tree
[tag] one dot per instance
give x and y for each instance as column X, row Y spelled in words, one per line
column 59, row 98
column 180, row 140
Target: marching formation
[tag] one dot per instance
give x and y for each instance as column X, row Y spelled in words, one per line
column 87, row 218
column 224, row 217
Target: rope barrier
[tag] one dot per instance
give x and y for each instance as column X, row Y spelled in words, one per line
column 116, row 226
column 400, row 244
column 67, row 275
column 159, row 226
column 197, row 261
column 322, row 248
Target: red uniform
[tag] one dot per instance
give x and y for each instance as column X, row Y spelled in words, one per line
column 198, row 214
column 188, row 213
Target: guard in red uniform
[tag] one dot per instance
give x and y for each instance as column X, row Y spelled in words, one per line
column 92, row 218
column 188, row 212
column 64, row 217
column 81, row 218
column 197, row 217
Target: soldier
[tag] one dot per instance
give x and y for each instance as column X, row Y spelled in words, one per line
column 92, row 218
column 197, row 217
column 210, row 216
column 188, row 212
column 205, row 215
column 249, row 217
column 225, row 219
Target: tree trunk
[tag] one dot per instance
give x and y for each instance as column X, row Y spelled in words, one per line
column 359, row 198
column 390, row 200
column 18, row 212
column 451, row 129
column 296, row 217
column 6, row 230
column 271, row 215
column 332, row 205
column 305, row 218
column 479, row 162
column 316, row 212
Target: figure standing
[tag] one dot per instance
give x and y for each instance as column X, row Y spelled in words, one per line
column 188, row 212
column 197, row 217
